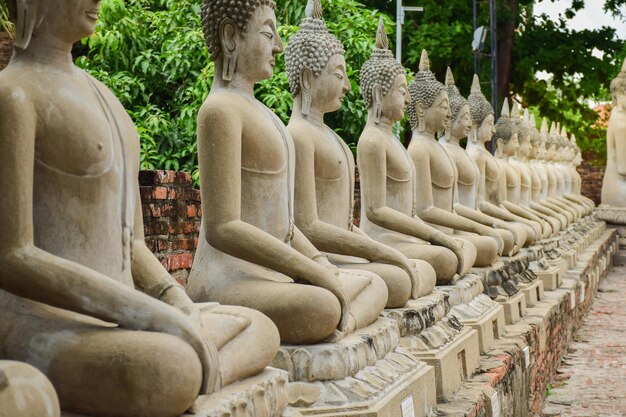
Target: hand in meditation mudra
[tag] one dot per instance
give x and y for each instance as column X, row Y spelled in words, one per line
column 388, row 176
column 82, row 298
column 250, row 251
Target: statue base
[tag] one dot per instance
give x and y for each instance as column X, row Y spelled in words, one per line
column 551, row 277
column 476, row 310
column 533, row 292
column 364, row 373
column 453, row 362
column 514, row 308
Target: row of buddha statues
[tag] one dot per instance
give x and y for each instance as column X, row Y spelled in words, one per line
column 279, row 260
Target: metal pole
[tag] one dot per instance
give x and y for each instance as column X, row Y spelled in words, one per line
column 494, row 63
column 399, row 21
column 475, row 10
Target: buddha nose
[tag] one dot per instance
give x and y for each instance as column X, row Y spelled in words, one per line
column 278, row 44
column 347, row 87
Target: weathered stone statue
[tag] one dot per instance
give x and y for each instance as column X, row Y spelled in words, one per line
column 574, row 160
column 26, row 392
column 614, row 182
column 388, row 176
column 81, row 296
column 250, row 252
column 429, row 112
column 466, row 171
column 324, row 183
column 506, row 136
column 489, row 194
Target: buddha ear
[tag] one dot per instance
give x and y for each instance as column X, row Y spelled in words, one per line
column 306, row 77
column 377, row 94
column 228, row 33
column 25, row 23
column 499, row 143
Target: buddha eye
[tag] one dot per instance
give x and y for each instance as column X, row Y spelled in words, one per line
column 339, row 75
column 270, row 35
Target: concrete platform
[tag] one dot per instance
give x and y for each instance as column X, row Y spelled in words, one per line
column 533, row 292
column 514, row 308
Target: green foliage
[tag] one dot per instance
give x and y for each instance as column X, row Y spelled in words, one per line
column 151, row 53
column 5, row 23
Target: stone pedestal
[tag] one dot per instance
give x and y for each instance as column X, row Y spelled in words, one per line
column 476, row 310
column 533, row 292
column 364, row 373
column 514, row 308
column 550, row 277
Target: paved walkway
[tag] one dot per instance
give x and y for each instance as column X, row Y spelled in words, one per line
column 592, row 378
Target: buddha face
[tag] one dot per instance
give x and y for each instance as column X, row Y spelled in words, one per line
column 462, row 124
column 578, row 158
column 532, row 151
column 394, row 102
column 327, row 89
column 256, row 49
column 437, row 116
column 67, row 20
column 509, row 148
column 486, row 129
column 541, row 152
column 550, row 153
column 524, row 147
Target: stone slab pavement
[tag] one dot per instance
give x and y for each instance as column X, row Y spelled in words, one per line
column 591, row 381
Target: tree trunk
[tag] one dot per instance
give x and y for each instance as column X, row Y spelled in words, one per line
column 507, row 13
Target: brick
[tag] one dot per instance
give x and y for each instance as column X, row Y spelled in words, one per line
column 180, row 261
column 192, row 210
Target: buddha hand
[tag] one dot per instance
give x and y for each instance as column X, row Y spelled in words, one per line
column 178, row 298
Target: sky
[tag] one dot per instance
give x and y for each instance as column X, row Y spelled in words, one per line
column 591, row 17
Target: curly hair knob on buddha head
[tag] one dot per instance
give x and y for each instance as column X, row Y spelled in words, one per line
column 311, row 47
column 480, row 107
column 381, row 68
column 506, row 126
column 457, row 101
column 424, row 89
column 214, row 12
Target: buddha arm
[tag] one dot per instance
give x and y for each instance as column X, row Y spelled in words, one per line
column 618, row 139
column 33, row 273
column 480, row 162
column 479, row 217
column 325, row 236
column 426, row 209
column 373, row 171
column 219, row 155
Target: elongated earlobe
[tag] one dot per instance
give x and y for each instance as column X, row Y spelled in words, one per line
column 25, row 24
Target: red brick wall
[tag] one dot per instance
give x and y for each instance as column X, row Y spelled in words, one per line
column 6, row 49
column 171, row 215
column 591, row 180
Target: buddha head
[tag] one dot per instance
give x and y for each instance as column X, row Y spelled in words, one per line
column 618, row 88
column 481, row 113
column 460, row 119
column 535, row 137
column 524, row 134
column 578, row 158
column 66, row 20
column 241, row 37
column 551, row 143
column 316, row 66
column 383, row 82
column 543, row 138
column 429, row 110
column 506, row 132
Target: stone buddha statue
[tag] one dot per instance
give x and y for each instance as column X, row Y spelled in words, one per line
column 530, row 182
column 507, row 143
column 489, row 194
column 429, row 112
column 561, row 164
column 466, row 171
column 26, row 392
column 574, row 160
column 82, row 298
column 388, row 176
column 250, row 251
column 324, row 180
column 614, row 182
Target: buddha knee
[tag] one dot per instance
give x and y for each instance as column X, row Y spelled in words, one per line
column 487, row 251
column 508, row 239
column 446, row 265
column 398, row 285
column 427, row 276
column 310, row 320
column 19, row 383
column 146, row 373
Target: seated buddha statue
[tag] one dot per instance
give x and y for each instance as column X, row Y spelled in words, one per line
column 489, row 195
column 614, row 182
column 562, row 164
column 388, row 176
column 324, row 183
column 574, row 160
column 250, row 252
column 466, row 171
column 429, row 112
column 507, row 144
column 82, row 298
column 529, row 181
